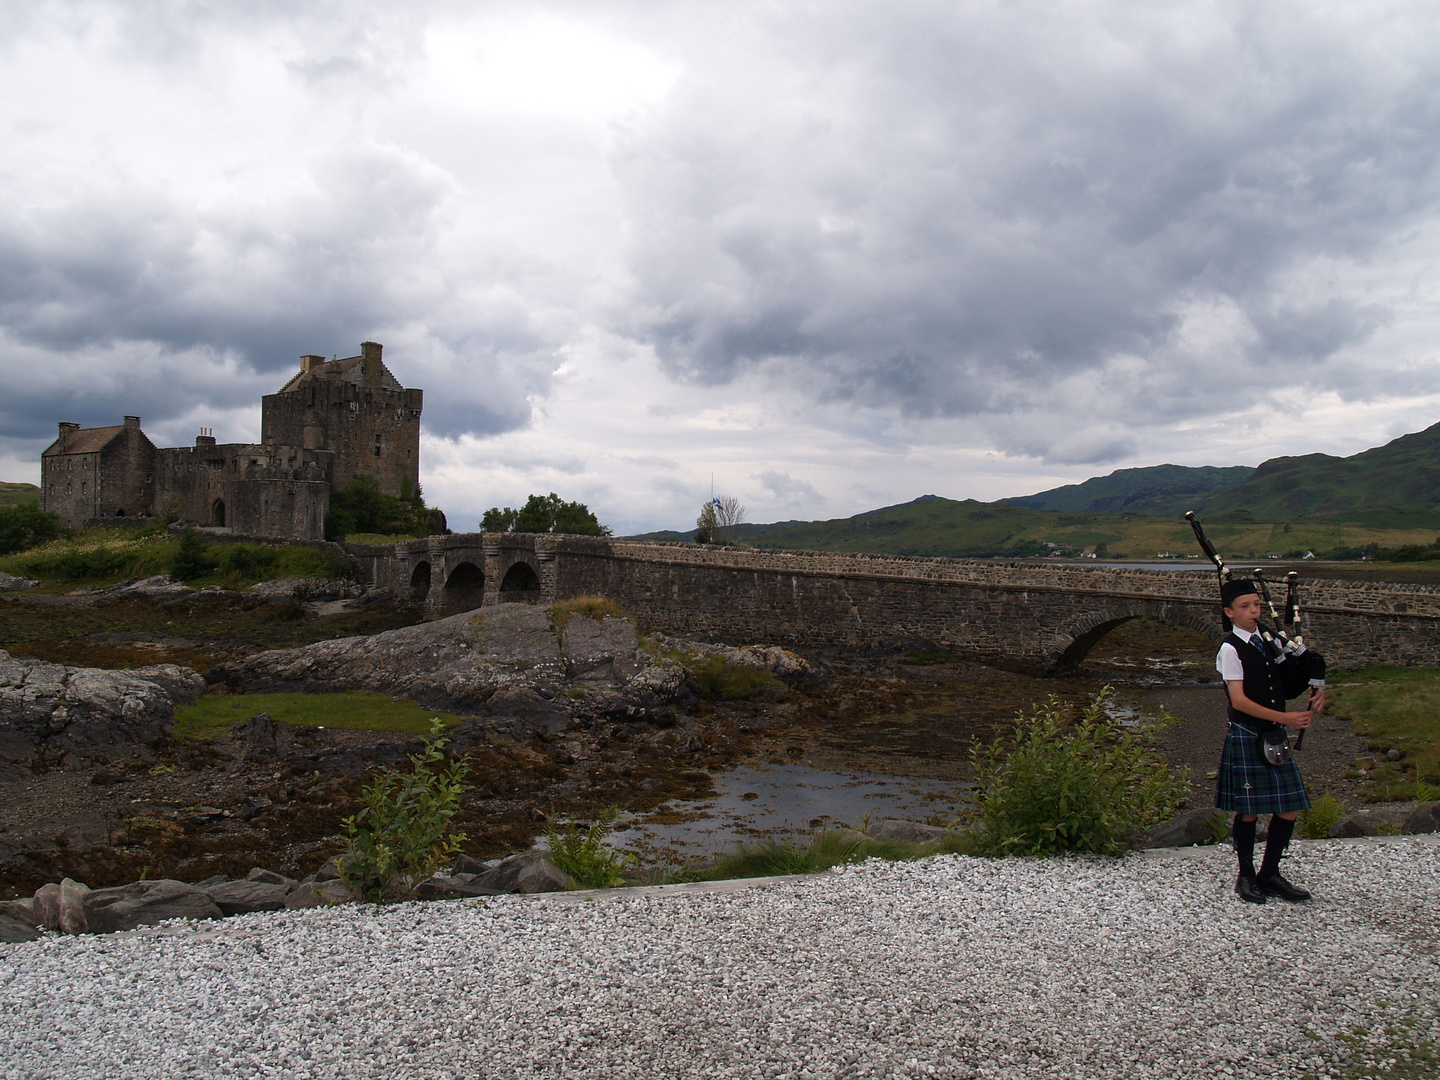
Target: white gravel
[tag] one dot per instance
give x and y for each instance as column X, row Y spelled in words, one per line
column 1143, row 967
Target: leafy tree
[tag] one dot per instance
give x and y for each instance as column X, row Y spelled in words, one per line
column 544, row 514
column 361, row 507
column 192, row 558
column 27, row 526
column 718, row 520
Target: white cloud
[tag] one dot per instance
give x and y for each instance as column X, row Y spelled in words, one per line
column 839, row 255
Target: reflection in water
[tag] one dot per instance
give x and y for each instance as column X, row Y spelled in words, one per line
column 756, row 803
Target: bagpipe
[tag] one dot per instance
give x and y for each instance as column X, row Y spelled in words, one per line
column 1283, row 636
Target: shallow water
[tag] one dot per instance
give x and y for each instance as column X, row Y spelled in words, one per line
column 758, row 802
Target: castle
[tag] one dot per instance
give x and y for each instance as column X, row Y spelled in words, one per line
column 331, row 422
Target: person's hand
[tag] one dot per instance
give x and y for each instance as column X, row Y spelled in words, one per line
column 1317, row 703
column 1299, row 720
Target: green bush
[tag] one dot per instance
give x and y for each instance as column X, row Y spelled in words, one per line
column 192, row 558
column 247, row 560
column 583, row 854
column 400, row 837
column 1324, row 812
column 26, row 526
column 1053, row 786
column 729, row 682
column 544, row 514
column 361, row 507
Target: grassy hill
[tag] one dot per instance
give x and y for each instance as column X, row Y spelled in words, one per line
column 18, row 494
column 1394, row 486
column 970, row 529
column 1162, row 490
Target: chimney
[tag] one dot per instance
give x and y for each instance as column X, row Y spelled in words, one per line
column 370, row 351
column 65, row 430
column 206, row 437
column 308, row 363
column 132, row 423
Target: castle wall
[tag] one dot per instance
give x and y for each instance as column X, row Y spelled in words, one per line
column 70, row 486
column 216, row 485
column 281, row 509
column 373, row 429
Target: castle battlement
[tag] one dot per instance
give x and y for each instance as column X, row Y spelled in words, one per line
column 330, row 422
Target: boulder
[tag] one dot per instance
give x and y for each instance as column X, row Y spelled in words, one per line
column 1425, row 818
column 47, row 906
column 528, row 872
column 310, row 894
column 243, row 897
column 446, row 887
column 77, row 714
column 270, row 877
column 1187, row 829
column 73, row 919
column 910, row 831
column 11, row 583
column 13, row 930
column 144, row 903
column 18, row 922
column 467, row 865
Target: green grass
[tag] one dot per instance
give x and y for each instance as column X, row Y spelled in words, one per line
column 18, row 494
column 1395, row 707
column 729, row 682
column 353, row 710
column 96, row 558
column 971, row 529
column 379, row 538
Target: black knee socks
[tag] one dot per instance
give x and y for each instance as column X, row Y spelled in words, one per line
column 1281, row 829
column 1243, row 833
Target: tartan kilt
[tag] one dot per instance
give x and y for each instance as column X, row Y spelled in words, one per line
column 1246, row 784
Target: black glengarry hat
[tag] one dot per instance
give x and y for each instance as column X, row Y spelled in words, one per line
column 1233, row 590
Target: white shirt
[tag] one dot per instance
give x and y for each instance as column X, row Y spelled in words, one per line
column 1227, row 660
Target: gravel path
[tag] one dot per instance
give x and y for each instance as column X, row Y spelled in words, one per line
column 1143, row 967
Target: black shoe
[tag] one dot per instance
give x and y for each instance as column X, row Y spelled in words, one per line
column 1248, row 889
column 1275, row 885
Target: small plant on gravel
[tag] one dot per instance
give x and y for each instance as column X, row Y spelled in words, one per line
column 583, row 855
column 589, row 607
column 1316, row 823
column 402, row 835
column 1053, row 786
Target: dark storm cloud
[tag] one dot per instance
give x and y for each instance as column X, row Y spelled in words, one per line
column 951, row 209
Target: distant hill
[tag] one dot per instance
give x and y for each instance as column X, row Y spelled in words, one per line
column 1393, row 486
column 1163, row 490
column 18, row 494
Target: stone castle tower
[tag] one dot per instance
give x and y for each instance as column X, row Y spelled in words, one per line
column 329, row 423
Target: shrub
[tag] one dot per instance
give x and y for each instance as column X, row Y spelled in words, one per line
column 1052, row 786
column 247, row 560
column 589, row 607
column 400, row 837
column 730, row 682
column 25, row 526
column 545, row 514
column 192, row 557
column 361, row 507
column 583, row 854
column 1317, row 822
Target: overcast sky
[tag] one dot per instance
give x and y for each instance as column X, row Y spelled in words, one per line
column 836, row 254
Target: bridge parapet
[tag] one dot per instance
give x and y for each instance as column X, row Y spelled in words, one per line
column 1018, row 613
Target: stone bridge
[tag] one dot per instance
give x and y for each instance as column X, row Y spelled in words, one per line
column 1020, row 614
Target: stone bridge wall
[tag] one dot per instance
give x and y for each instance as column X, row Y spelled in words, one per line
column 1023, row 615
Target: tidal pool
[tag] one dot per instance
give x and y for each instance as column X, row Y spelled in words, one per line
column 755, row 803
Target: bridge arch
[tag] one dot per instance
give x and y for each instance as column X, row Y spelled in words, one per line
column 1073, row 641
column 420, row 581
column 521, row 585
column 464, row 587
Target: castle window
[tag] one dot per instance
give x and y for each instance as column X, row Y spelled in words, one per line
column 377, row 445
column 69, row 488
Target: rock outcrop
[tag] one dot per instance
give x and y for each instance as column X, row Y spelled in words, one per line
column 509, row 662
column 75, row 715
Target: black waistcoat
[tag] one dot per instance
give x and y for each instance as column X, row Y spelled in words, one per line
column 1264, row 685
